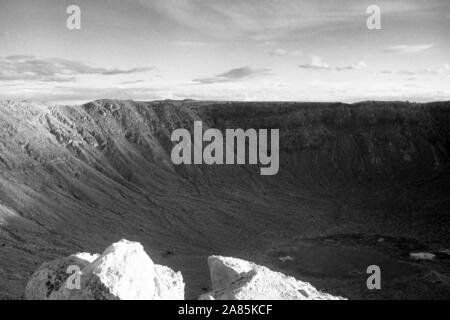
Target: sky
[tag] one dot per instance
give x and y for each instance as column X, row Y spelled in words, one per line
column 249, row 50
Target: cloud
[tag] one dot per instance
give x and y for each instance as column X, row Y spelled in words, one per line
column 409, row 48
column 19, row 57
column 416, row 72
column 185, row 43
column 132, row 82
column 269, row 19
column 425, row 71
column 315, row 62
column 108, row 72
column 284, row 53
column 264, row 90
column 447, row 67
column 357, row 66
column 278, row 52
column 236, row 74
column 26, row 67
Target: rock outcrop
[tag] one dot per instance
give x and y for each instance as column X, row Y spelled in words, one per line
column 123, row 272
column 235, row 279
column 51, row 277
column 422, row 256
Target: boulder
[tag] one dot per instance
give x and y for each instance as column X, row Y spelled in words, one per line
column 224, row 271
column 422, row 256
column 169, row 284
column 51, row 276
column 123, row 272
column 235, row 279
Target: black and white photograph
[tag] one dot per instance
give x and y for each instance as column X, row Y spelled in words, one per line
column 236, row 150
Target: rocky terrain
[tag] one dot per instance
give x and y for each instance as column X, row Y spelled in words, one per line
column 236, row 279
column 359, row 184
column 125, row 272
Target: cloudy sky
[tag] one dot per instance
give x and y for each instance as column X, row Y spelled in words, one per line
column 304, row 50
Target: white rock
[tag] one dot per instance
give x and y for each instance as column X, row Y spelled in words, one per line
column 235, row 279
column 89, row 257
column 422, row 256
column 286, row 259
column 224, row 271
column 124, row 271
column 169, row 284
